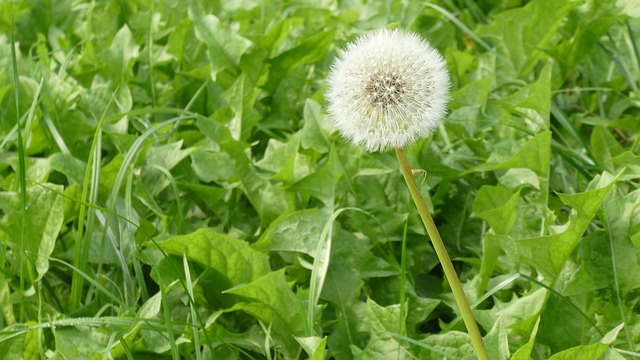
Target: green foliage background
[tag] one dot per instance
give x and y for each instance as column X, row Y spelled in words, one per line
column 172, row 187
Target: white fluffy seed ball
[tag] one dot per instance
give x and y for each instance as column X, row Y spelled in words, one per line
column 388, row 89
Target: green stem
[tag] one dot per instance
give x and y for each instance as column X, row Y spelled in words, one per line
column 443, row 256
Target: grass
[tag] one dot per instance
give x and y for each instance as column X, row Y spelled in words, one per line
column 171, row 185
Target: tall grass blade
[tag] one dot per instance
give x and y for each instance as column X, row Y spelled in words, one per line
column 616, row 286
column 192, row 309
column 464, row 28
column 21, row 164
column 89, row 195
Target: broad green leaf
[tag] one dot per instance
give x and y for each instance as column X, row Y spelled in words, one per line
column 225, row 47
column 149, row 341
column 473, row 94
column 602, row 252
column 41, row 222
column 270, row 299
column 460, row 62
column 323, row 182
column 522, row 34
column 314, row 346
column 452, row 345
column 213, row 166
column 490, row 254
column 233, row 258
column 30, row 347
column 380, row 349
column 277, row 33
column 139, row 339
column 549, row 253
column 590, row 270
column 120, row 57
column 595, row 271
column 241, row 97
column 209, row 195
column 563, row 325
column 68, row 165
column 583, row 352
column 166, row 156
column 6, row 306
column 629, row 161
column 284, row 160
column 624, row 216
column 278, row 154
column 467, row 106
column 313, row 49
column 589, row 201
column 497, row 342
column 534, row 155
column 524, row 352
column 178, row 39
column 605, row 147
column 612, row 335
column 269, row 199
column 252, row 339
column 37, row 170
column 358, row 256
column 380, row 322
column 520, row 177
column 588, row 352
column 496, row 205
column 519, row 314
column 159, row 158
column 342, row 288
column 420, row 308
column 534, row 96
column 78, row 343
column 109, row 173
column 11, row 349
column 585, row 29
column 10, row 12
column 629, row 7
column 298, row 232
column 221, row 135
column 314, row 131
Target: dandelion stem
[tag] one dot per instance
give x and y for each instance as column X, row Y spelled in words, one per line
column 443, row 257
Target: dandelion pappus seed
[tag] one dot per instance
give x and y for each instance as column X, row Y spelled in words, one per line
column 387, row 89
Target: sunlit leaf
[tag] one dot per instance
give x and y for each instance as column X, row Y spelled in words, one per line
column 33, row 230
column 233, row 258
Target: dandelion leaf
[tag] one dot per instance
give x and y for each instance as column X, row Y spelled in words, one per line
column 270, row 300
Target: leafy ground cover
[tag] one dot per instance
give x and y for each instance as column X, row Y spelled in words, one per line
column 172, row 187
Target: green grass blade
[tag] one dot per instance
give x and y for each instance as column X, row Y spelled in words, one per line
column 176, row 191
column 192, row 309
column 91, row 280
column 418, row 343
column 504, row 283
column 616, row 286
column 127, row 163
column 175, row 354
column 403, row 281
column 621, row 66
column 21, row 162
column 320, row 267
column 634, row 44
column 89, row 195
column 464, row 28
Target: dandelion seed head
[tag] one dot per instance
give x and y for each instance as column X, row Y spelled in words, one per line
column 387, row 89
